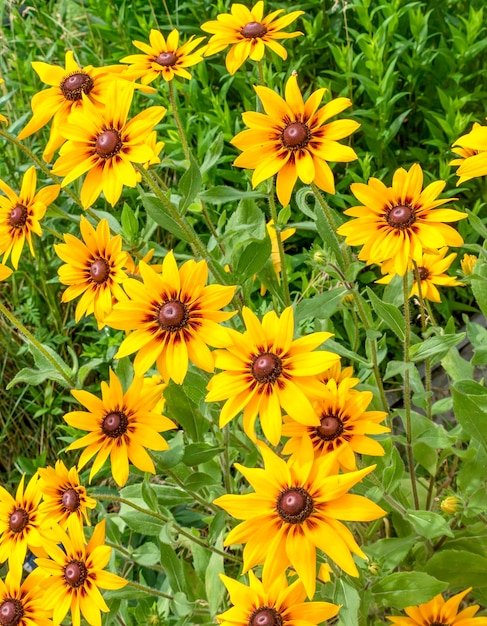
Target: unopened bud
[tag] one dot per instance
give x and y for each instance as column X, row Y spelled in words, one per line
column 450, row 505
column 468, row 263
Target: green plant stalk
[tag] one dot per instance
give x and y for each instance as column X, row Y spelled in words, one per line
column 149, row 590
column 282, row 256
column 407, row 392
column 193, row 494
column 424, row 325
column 16, row 323
column 177, row 119
column 165, row 520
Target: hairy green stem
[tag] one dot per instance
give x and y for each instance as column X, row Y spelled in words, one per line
column 407, row 392
column 16, row 323
column 177, row 119
column 282, row 256
column 193, row 494
column 165, row 520
column 424, row 325
column 149, row 590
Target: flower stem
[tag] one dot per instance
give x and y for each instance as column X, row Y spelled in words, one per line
column 177, row 119
column 165, row 520
column 149, row 590
column 31, row 339
column 424, row 325
column 407, row 391
column 282, row 256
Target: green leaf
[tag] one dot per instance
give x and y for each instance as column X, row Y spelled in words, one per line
column 158, row 212
column 321, row 306
column 182, row 409
column 349, row 598
column 435, row 348
column 196, row 453
column 389, row 314
column 403, row 589
column 390, row 551
column 221, row 194
column 46, row 370
column 189, row 185
column 252, row 258
column 470, row 408
column 428, row 524
column 172, row 567
column 215, row 590
column 130, row 224
column 146, row 554
column 479, row 284
column 459, row 568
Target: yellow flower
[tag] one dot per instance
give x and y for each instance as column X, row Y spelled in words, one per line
column 431, row 273
column 450, row 505
column 344, row 425
column 295, row 509
column 338, row 374
column 104, row 144
column 174, row 317
column 93, row 270
column 63, row 495
column 76, row 573
column 325, row 572
column 163, row 58
column 5, row 272
column 68, row 85
column 248, row 32
column 472, row 149
column 156, row 382
column 21, row 524
column 121, row 425
column 23, row 604
column 157, row 147
column 266, row 370
column 275, row 257
column 468, row 263
column 20, row 214
column 292, row 140
column 2, row 117
column 399, row 222
column 272, row 603
column 437, row 612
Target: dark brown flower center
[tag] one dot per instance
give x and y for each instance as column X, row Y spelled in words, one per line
column 75, row 85
column 401, row 216
column 296, row 135
column 294, row 505
column 265, row 616
column 11, row 612
column 114, row 424
column 253, row 30
column 331, row 427
column 108, row 144
column 439, row 624
column 173, row 316
column 18, row 216
column 166, row 59
column 266, row 367
column 99, row 271
column 18, row 520
column 423, row 273
column 71, row 500
column 75, row 573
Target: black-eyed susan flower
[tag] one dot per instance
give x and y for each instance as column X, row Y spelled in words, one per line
column 438, row 612
column 21, row 524
column 297, row 507
column 104, row 144
column 93, row 269
column 76, row 574
column 163, row 57
column 248, row 33
column 472, row 150
column 63, row 495
column 344, row 425
column 174, row 317
column 121, row 425
column 292, row 140
column 431, row 272
column 22, row 604
column 68, row 84
column 272, row 603
column 400, row 222
column 266, row 370
column 20, row 214
column 337, row 373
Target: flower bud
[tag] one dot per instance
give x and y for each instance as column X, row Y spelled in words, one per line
column 450, row 505
column 468, row 263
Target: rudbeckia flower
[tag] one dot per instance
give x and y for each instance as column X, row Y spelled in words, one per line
column 68, row 84
column 21, row 213
column 431, row 273
column 174, row 317
column 248, row 32
column 272, row 603
column 23, row 604
column 344, row 425
column 338, row 374
column 104, row 144
column 266, row 370
column 438, row 612
column 297, row 507
column 21, row 524
column 76, row 575
column 93, row 269
column 472, row 150
column 400, row 222
column 163, row 58
column 292, row 140
column 121, row 425
column 63, row 495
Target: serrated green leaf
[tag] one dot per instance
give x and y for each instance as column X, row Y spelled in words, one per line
column 403, row 589
column 189, row 185
column 470, row 408
column 158, row 212
column 321, row 306
column 435, row 348
column 389, row 314
column 252, row 258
